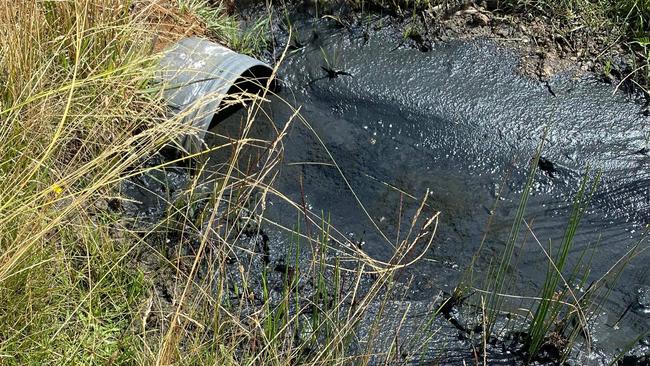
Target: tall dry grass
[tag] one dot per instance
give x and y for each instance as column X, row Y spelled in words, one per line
column 76, row 112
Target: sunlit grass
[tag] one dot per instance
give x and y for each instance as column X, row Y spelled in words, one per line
column 76, row 113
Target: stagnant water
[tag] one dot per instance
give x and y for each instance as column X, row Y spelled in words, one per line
column 460, row 122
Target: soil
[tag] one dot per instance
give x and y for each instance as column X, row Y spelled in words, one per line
column 547, row 46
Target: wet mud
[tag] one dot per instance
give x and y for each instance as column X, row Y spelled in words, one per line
column 460, row 122
column 386, row 124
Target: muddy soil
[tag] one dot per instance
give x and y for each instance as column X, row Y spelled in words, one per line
column 458, row 114
column 546, row 46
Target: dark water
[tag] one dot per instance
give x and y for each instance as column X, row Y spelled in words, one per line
column 460, row 123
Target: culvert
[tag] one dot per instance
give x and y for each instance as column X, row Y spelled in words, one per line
column 200, row 76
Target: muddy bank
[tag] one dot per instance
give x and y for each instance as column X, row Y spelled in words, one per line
column 547, row 44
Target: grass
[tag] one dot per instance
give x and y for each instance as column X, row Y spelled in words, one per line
column 557, row 320
column 72, row 101
column 251, row 40
column 77, row 116
column 548, row 310
column 499, row 277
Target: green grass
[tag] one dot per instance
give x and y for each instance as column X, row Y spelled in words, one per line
column 553, row 297
column 76, row 114
column 499, row 276
column 251, row 39
column 557, row 317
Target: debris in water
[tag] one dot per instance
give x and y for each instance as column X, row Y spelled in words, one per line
column 547, row 166
column 333, row 74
